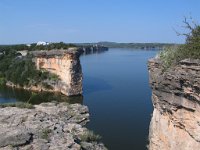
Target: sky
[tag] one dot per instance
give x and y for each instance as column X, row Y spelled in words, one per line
column 80, row 21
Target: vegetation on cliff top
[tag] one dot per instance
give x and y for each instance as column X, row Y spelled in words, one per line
column 22, row 71
column 190, row 50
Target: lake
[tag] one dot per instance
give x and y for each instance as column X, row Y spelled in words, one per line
column 118, row 95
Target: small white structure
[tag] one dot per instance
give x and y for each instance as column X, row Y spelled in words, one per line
column 42, row 43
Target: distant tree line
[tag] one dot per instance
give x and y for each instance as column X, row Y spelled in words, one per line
column 136, row 45
column 34, row 46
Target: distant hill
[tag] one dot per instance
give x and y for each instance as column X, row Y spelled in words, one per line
column 62, row 45
column 136, row 45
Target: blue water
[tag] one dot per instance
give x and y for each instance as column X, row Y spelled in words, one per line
column 117, row 92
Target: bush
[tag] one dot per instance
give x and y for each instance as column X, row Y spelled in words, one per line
column 191, row 49
column 168, row 56
column 54, row 77
column 89, row 136
column 45, row 133
column 22, row 71
column 2, row 81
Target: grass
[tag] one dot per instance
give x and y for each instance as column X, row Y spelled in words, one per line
column 171, row 56
column 45, row 133
column 90, row 136
column 168, row 57
column 18, row 105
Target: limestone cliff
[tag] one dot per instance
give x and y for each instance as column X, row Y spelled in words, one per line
column 175, row 123
column 65, row 64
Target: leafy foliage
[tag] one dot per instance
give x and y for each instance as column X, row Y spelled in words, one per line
column 168, row 56
column 2, row 81
column 22, row 71
column 191, row 49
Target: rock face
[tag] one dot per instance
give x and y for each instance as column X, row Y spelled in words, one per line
column 49, row 126
column 65, row 64
column 93, row 49
column 175, row 123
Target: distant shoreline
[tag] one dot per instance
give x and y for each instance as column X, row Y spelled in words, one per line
column 116, row 45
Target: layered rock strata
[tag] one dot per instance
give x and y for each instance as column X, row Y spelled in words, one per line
column 48, row 126
column 65, row 64
column 175, row 124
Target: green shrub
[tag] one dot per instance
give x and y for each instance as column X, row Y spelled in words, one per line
column 89, row 136
column 45, row 133
column 23, row 71
column 168, row 56
column 54, row 77
column 2, row 81
column 191, row 49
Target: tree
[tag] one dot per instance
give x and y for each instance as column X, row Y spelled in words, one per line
column 191, row 48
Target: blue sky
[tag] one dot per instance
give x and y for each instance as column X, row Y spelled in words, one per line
column 27, row 21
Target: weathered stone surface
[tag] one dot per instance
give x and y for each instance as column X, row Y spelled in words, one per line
column 175, row 123
column 14, row 137
column 66, row 65
column 49, row 126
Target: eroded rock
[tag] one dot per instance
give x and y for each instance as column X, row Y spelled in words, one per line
column 49, row 126
column 176, row 99
column 65, row 64
column 14, row 136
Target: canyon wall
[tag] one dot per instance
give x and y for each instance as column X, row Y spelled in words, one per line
column 65, row 64
column 175, row 124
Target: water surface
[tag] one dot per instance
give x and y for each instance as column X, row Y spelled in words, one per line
column 117, row 92
column 116, row 89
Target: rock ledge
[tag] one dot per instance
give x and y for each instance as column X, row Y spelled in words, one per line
column 49, row 126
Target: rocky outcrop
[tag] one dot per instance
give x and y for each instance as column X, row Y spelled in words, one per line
column 175, row 124
column 65, row 64
column 92, row 49
column 48, row 126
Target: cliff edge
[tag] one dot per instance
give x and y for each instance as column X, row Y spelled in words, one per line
column 175, row 123
column 65, row 64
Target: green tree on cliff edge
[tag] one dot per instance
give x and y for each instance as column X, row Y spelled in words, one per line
column 191, row 49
